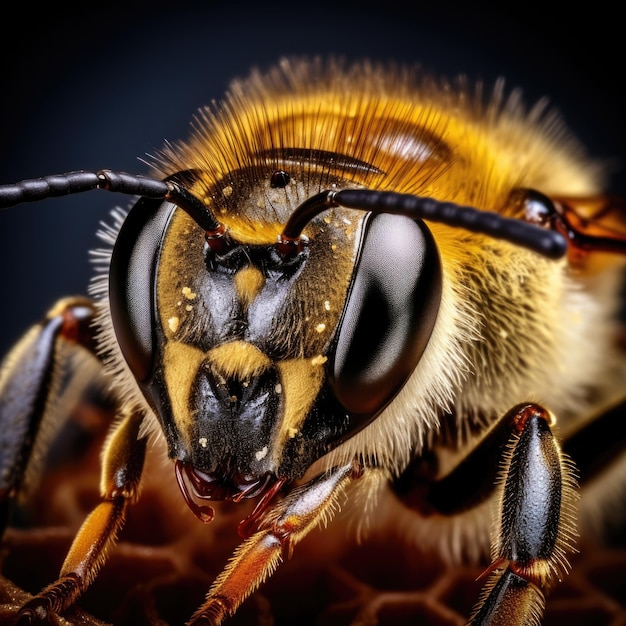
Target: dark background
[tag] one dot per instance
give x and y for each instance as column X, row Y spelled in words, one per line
column 100, row 86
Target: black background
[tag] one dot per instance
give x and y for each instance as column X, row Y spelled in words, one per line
column 100, row 86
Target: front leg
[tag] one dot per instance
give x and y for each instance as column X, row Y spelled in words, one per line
column 537, row 524
column 285, row 525
column 123, row 462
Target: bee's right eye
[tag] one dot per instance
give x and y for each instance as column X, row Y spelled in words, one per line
column 131, row 282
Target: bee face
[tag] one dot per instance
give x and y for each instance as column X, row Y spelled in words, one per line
column 254, row 354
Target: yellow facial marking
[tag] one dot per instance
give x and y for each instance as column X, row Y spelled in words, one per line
column 251, row 232
column 301, row 382
column 181, row 365
column 248, row 281
column 238, row 359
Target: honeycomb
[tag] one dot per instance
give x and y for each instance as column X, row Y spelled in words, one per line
column 166, row 560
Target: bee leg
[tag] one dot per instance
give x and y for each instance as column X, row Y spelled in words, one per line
column 122, row 466
column 285, row 525
column 537, row 524
column 31, row 379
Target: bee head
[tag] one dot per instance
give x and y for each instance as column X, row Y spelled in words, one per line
column 260, row 352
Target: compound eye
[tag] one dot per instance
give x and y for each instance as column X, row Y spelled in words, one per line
column 538, row 208
column 389, row 315
column 132, row 274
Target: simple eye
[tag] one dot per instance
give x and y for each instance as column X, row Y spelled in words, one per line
column 279, row 178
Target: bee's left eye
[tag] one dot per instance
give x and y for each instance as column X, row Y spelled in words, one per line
column 389, row 315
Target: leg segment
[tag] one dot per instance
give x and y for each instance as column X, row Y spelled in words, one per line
column 284, row 526
column 537, row 524
column 31, row 379
column 122, row 466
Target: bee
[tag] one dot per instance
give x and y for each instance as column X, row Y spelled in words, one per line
column 354, row 288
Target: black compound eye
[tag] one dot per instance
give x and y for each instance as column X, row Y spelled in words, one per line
column 131, row 282
column 389, row 315
column 538, row 208
column 279, row 178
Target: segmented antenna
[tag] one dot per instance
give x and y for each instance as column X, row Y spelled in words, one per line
column 546, row 242
column 549, row 243
column 76, row 182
